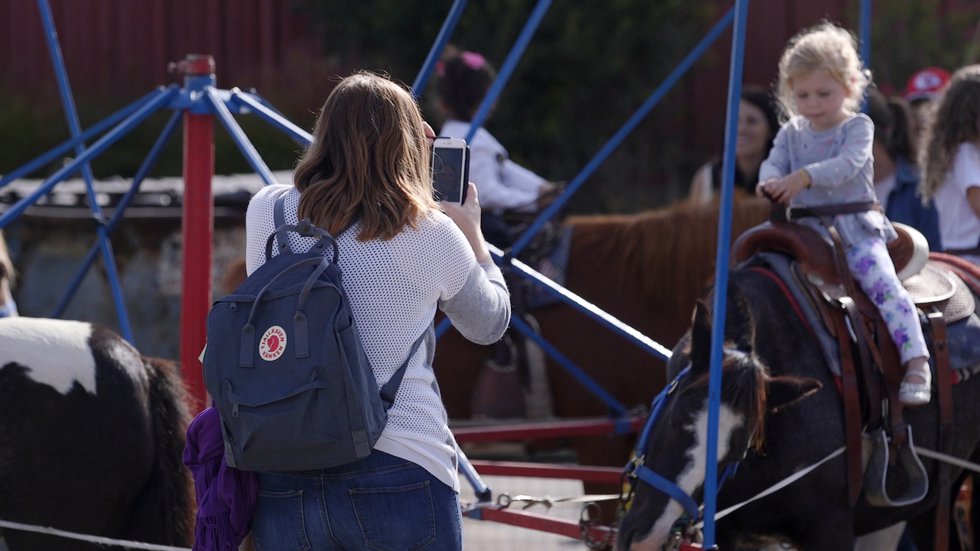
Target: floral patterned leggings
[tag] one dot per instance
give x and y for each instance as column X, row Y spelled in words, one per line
column 873, row 268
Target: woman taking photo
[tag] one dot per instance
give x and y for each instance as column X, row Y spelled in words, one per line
column 366, row 179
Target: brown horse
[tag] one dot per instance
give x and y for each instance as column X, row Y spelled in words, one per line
column 646, row 269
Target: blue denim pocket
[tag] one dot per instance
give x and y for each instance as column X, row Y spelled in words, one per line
column 283, row 527
column 391, row 517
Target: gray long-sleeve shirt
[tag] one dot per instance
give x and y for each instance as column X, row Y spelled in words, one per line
column 840, row 165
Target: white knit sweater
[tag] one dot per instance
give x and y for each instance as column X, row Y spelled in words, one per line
column 394, row 288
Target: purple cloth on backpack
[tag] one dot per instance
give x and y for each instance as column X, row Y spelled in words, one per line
column 225, row 496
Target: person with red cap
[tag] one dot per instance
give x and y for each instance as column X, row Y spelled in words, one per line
column 922, row 88
column 926, row 84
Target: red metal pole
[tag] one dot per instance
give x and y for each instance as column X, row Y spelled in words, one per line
column 534, row 521
column 585, row 473
column 198, row 225
column 548, row 429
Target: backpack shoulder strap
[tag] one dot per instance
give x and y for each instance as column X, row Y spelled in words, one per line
column 279, row 218
column 390, row 388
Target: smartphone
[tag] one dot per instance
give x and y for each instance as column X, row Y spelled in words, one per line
column 450, row 169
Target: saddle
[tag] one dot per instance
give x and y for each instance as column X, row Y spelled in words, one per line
column 870, row 369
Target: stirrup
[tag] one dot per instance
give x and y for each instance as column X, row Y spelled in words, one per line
column 916, row 483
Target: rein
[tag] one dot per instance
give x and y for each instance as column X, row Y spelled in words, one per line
column 637, row 468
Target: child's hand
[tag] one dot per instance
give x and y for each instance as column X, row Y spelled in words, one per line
column 762, row 191
column 547, row 193
column 782, row 190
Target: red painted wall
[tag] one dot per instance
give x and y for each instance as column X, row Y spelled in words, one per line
column 119, row 48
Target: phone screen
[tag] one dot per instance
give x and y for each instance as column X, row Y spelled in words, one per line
column 447, row 173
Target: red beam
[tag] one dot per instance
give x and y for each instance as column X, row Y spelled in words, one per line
column 611, row 475
column 198, row 226
column 548, row 429
column 542, row 523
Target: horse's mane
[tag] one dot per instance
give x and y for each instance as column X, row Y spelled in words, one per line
column 745, row 388
column 667, row 256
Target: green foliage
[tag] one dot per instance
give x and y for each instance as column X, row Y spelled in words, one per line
column 589, row 66
column 908, row 35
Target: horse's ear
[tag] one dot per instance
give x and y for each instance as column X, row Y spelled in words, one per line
column 701, row 336
column 739, row 327
column 786, row 390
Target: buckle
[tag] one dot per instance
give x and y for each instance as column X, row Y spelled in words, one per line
column 789, row 214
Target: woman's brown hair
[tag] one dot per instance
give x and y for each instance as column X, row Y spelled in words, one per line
column 954, row 121
column 369, row 161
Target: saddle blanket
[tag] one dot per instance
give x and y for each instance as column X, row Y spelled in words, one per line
column 963, row 335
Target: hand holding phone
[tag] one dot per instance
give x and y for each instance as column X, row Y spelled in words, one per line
column 450, row 169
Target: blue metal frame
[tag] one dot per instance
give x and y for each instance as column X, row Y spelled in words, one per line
column 570, row 298
column 65, row 146
column 864, row 29
column 238, row 135
column 510, row 63
column 148, row 163
column 721, row 271
column 161, row 97
column 261, row 108
column 437, row 47
column 75, row 128
column 612, row 403
column 552, row 210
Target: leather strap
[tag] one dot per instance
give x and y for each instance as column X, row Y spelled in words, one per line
column 852, row 399
column 962, row 252
column 944, row 388
column 852, row 406
column 795, row 213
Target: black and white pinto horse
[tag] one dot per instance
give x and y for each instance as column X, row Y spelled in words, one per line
column 91, row 435
column 780, row 412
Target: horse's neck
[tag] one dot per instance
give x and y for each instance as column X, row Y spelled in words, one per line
column 782, row 339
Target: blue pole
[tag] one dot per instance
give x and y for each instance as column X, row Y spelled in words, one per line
column 865, row 44
column 111, row 137
column 148, row 163
column 721, row 271
column 238, row 136
column 70, row 143
column 551, row 210
column 865, row 31
column 580, row 304
column 271, row 116
column 510, row 64
column 67, row 101
column 582, row 377
column 464, row 466
column 75, row 127
column 437, row 47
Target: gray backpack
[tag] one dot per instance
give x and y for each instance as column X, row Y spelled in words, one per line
column 285, row 365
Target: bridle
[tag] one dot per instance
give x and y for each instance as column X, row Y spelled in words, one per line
column 636, row 469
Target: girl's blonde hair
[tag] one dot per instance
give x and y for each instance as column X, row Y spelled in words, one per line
column 954, row 121
column 369, row 161
column 825, row 46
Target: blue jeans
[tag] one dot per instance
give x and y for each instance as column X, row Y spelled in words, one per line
column 380, row 502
